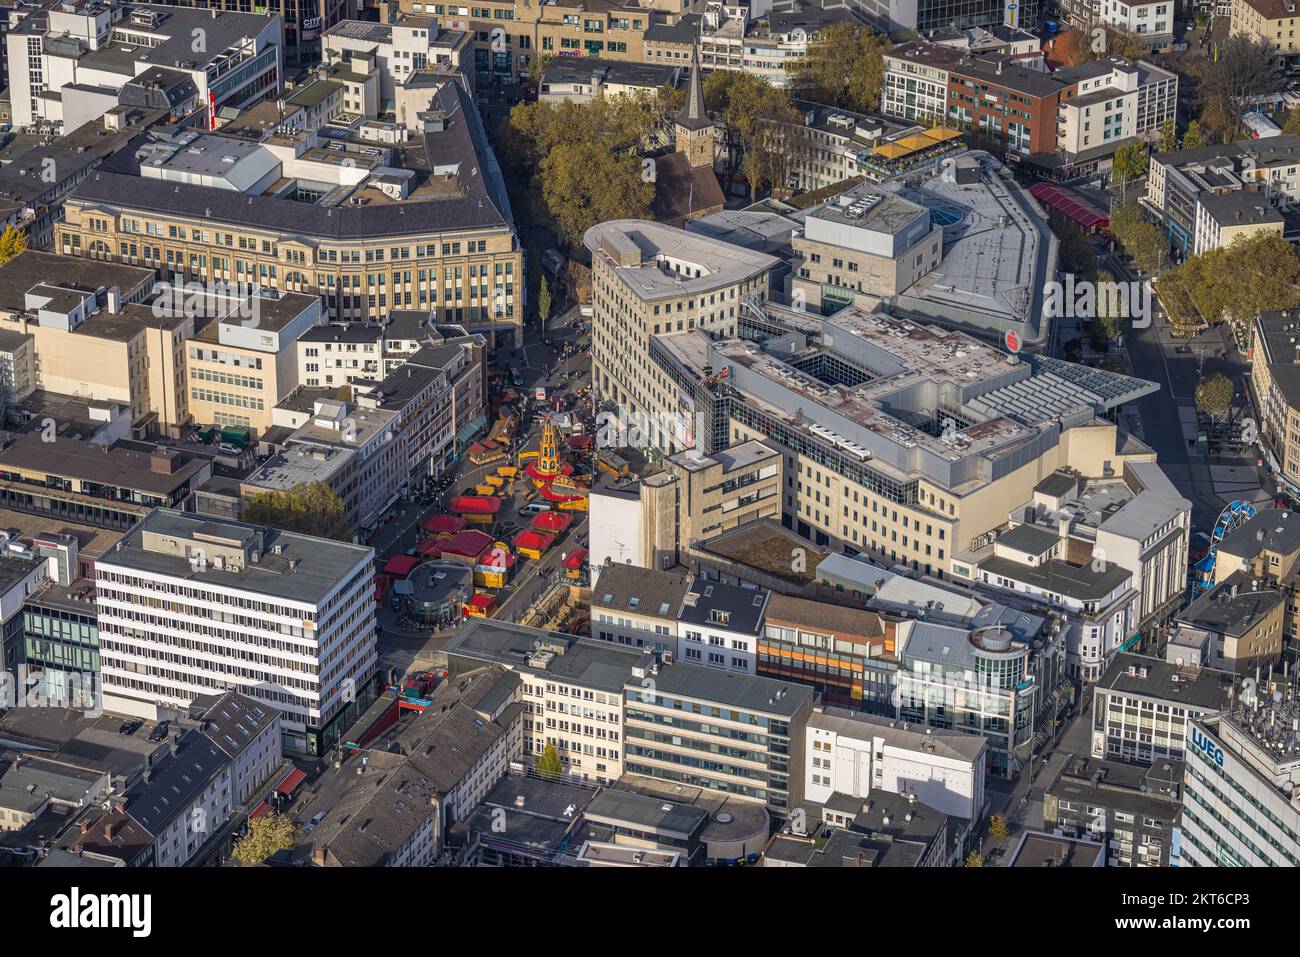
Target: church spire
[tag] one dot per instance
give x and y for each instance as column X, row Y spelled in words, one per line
column 693, row 115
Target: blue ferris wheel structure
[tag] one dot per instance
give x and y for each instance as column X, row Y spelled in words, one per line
column 1234, row 515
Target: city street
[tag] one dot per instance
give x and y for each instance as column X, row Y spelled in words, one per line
column 541, row 364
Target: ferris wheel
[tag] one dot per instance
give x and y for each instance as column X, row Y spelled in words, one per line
column 1233, row 516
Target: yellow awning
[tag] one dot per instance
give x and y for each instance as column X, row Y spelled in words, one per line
column 891, row 150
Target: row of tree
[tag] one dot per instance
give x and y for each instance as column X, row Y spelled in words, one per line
column 1255, row 274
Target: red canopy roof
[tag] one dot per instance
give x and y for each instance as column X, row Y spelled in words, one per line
column 430, row 546
column 530, row 538
column 552, row 521
column 580, row 441
column 575, row 558
column 444, row 523
column 401, row 565
column 1071, row 205
column 481, row 601
column 261, row 810
column 290, row 782
column 475, row 504
column 467, row 544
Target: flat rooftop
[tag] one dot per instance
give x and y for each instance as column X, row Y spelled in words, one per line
column 101, row 464
column 649, row 251
column 322, row 564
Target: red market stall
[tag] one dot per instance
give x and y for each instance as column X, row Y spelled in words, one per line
column 437, row 524
column 465, row 547
column 551, row 521
column 531, row 543
column 480, row 606
column 574, row 562
column 399, row 566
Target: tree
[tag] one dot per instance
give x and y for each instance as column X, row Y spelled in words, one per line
column 1214, row 395
column 583, row 184
column 1130, row 163
column 1106, row 319
column 544, row 301
column 1168, row 136
column 310, row 508
column 537, row 66
column 763, row 134
column 266, row 835
column 1292, row 125
column 1243, row 69
column 344, row 393
column 844, row 67
column 998, row 827
column 1255, row 274
column 1141, row 239
column 599, row 142
column 1193, row 138
column 973, row 859
column 12, row 242
column 549, row 765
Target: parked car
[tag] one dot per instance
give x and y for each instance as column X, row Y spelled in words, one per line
column 230, row 448
column 160, row 731
column 130, row 727
column 314, row 823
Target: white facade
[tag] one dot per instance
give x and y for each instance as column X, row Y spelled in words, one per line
column 173, row 629
column 615, row 524
column 715, row 646
column 853, row 753
column 49, row 51
column 1240, row 804
column 1147, row 20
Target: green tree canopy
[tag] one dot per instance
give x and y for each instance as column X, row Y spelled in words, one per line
column 844, row 67
column 764, row 132
column 310, row 508
column 1194, row 138
column 266, row 835
column 1168, row 136
column 1130, row 162
column 1214, row 394
column 583, row 184
column 549, row 765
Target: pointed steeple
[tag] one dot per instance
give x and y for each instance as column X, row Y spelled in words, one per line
column 693, row 115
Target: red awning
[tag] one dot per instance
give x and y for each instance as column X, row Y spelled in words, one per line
column 444, row 523
column 575, row 558
column 260, row 811
column 552, row 521
column 1071, row 205
column 401, row 565
column 430, row 546
column 290, row 783
column 481, row 601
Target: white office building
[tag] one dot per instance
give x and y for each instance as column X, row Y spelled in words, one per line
column 190, row 606
column 849, row 752
column 1241, row 807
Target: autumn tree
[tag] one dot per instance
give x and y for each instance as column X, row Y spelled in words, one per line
column 1106, row 320
column 1292, row 125
column 591, row 150
column 973, row 859
column 12, row 242
column 998, row 827
column 1130, row 163
column 763, row 133
column 1140, row 238
column 265, row 836
column 583, row 184
column 1255, row 274
column 1242, row 70
column 1168, row 136
column 544, row 300
column 310, row 508
column 843, row 67
column 549, row 765
column 1214, row 395
column 1194, row 138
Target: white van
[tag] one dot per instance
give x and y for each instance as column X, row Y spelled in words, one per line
column 532, row 508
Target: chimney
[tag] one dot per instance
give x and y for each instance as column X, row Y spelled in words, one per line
column 85, row 827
